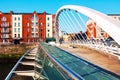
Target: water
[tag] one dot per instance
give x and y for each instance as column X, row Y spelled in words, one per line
column 5, row 68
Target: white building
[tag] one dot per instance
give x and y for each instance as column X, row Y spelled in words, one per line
column 34, row 26
column 49, row 26
column 17, row 26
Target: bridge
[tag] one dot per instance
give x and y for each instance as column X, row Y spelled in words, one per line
column 55, row 62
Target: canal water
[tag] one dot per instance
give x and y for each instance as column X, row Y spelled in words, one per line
column 5, row 68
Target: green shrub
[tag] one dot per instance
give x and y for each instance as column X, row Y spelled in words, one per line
column 50, row 39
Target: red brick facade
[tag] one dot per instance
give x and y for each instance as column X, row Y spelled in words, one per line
column 94, row 32
column 27, row 28
column 5, row 27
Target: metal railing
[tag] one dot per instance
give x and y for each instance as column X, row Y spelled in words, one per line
column 16, row 65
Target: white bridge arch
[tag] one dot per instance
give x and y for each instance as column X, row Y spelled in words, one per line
column 109, row 25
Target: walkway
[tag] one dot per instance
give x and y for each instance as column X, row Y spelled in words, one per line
column 96, row 58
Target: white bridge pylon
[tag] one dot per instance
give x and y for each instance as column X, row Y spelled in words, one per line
column 109, row 25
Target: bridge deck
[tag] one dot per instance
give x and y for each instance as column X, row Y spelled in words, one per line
column 96, row 58
column 78, row 66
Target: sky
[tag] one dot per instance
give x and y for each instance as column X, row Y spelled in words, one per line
column 51, row 6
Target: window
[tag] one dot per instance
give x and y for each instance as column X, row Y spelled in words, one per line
column 32, row 29
column 48, row 24
column 48, row 18
column 15, row 24
column 18, row 35
column 36, row 30
column 15, row 29
column 18, row 29
column 41, row 18
column 15, row 18
column 36, row 34
column 28, row 30
column 28, row 35
column 32, row 23
column 18, row 18
column 36, row 18
column 15, row 35
column 48, row 30
column 18, row 24
column 48, row 35
column 28, row 24
column 41, row 30
column 41, row 35
column 41, row 24
column 32, row 34
column 36, row 23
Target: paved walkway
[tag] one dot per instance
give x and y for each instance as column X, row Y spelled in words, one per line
column 96, row 58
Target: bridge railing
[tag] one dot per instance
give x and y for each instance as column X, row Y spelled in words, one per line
column 98, row 45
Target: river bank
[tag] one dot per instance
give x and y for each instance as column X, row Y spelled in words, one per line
column 9, row 55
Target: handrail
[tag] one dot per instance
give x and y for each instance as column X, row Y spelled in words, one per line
column 69, row 72
column 16, row 65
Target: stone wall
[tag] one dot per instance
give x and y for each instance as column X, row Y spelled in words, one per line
column 16, row 49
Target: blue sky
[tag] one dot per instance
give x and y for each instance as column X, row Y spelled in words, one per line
column 51, row 6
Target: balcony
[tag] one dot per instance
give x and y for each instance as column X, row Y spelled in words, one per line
column 5, row 36
column 6, row 25
column 5, row 31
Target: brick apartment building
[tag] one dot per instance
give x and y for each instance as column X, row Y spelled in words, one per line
column 26, row 27
column 95, row 32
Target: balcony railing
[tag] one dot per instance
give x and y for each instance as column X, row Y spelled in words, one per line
column 5, row 36
column 5, row 25
column 5, row 32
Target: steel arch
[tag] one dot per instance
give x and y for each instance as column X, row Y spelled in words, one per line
column 108, row 24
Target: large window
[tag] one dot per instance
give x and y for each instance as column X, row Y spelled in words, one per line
column 48, row 18
column 18, row 18
column 36, row 23
column 32, row 29
column 15, row 35
column 15, row 29
column 15, row 24
column 48, row 35
column 18, row 35
column 32, row 23
column 36, row 34
column 48, row 30
column 48, row 24
column 15, row 18
column 18, row 24
column 36, row 30
column 18, row 29
column 32, row 34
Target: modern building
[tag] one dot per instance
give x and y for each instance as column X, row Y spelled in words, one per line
column 16, row 27
column 5, row 27
column 50, row 20
column 95, row 32
column 26, row 27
